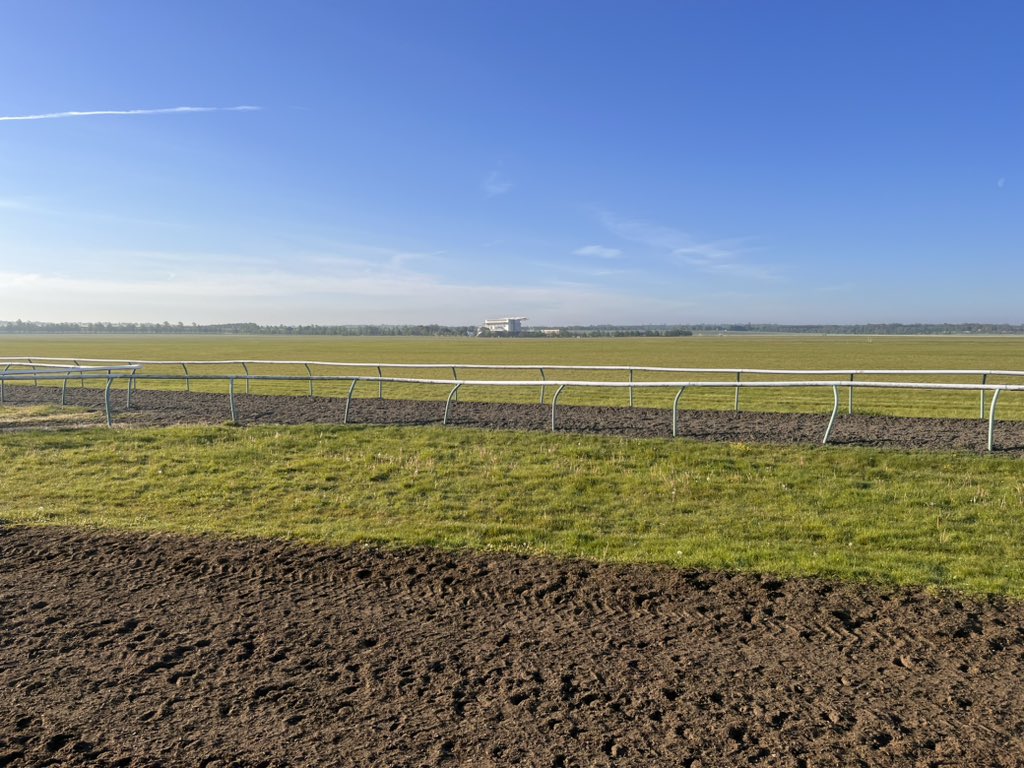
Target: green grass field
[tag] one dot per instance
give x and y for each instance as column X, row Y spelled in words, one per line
column 791, row 352
column 941, row 520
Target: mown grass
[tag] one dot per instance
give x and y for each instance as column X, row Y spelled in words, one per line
column 940, row 520
column 787, row 352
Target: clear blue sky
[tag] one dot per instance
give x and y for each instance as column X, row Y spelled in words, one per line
column 440, row 161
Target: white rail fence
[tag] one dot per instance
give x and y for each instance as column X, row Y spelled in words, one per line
column 43, row 369
column 735, row 375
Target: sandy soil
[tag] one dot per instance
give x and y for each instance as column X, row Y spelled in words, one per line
column 136, row 650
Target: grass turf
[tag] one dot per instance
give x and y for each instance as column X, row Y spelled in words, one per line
column 942, row 520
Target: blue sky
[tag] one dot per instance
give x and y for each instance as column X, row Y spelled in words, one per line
column 443, row 161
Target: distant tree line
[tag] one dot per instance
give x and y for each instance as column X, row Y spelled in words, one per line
column 878, row 329
column 640, row 331
column 869, row 329
column 21, row 326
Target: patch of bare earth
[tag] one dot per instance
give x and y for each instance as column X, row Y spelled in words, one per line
column 140, row 650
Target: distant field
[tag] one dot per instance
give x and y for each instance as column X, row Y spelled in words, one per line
column 797, row 352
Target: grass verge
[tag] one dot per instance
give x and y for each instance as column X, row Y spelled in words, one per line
column 942, row 520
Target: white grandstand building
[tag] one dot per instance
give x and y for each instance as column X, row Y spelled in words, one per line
column 510, row 325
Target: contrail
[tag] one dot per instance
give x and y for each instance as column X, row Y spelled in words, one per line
column 99, row 112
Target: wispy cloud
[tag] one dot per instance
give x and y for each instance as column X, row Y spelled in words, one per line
column 10, row 204
column 45, row 207
column 327, row 252
column 495, row 185
column 280, row 296
column 127, row 112
column 598, row 251
column 589, row 274
column 724, row 257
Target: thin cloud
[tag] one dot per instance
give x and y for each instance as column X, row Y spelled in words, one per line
column 30, row 205
column 495, row 185
column 327, row 251
column 127, row 112
column 278, row 296
column 598, row 251
column 8, row 204
column 725, row 257
column 588, row 274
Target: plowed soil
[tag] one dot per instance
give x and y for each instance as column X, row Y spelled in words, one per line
column 135, row 650
column 155, row 408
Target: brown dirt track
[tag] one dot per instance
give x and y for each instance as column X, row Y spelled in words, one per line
column 155, row 408
column 136, row 650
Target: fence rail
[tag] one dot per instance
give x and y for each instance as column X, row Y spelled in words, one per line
column 131, row 373
column 735, row 374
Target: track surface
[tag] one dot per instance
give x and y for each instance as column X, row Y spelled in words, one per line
column 154, row 408
column 134, row 650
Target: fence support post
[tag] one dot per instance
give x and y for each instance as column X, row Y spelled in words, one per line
column 246, row 369
column 106, row 399
column 630, row 387
column 542, row 378
column 675, row 412
column 380, row 384
column 835, row 410
column 736, row 398
column 849, row 408
column 554, row 402
column 981, row 408
column 231, row 399
column 188, row 384
column 455, row 376
column 310, row 374
column 348, row 400
column 64, row 390
column 992, row 417
column 453, row 395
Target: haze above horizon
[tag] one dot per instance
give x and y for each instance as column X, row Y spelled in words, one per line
column 576, row 163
